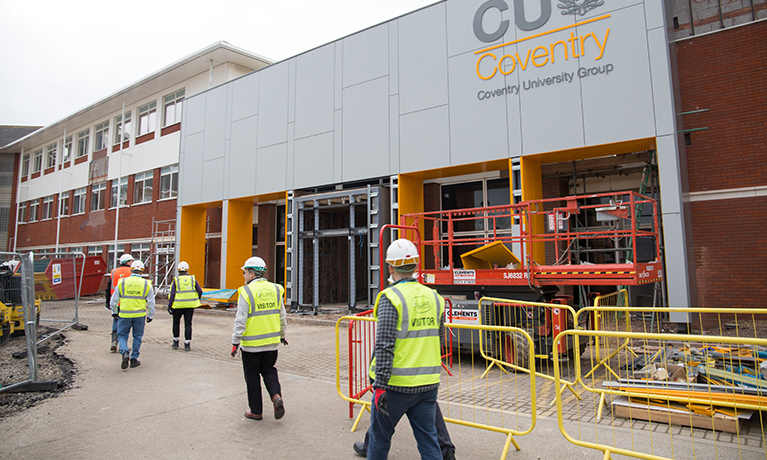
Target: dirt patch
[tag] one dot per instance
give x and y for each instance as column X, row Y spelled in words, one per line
column 50, row 366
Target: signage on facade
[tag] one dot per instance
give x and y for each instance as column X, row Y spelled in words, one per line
column 494, row 60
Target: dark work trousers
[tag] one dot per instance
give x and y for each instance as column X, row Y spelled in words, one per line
column 255, row 366
column 443, row 437
column 187, row 313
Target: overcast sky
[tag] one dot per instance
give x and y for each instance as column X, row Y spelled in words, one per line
column 60, row 56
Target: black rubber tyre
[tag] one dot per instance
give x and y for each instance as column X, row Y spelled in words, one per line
column 5, row 333
column 515, row 350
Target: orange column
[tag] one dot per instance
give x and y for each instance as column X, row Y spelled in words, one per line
column 239, row 240
column 191, row 240
column 532, row 189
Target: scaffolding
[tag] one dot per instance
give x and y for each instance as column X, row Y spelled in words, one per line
column 163, row 254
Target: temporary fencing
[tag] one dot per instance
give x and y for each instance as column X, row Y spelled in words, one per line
column 59, row 279
column 670, row 395
column 499, row 402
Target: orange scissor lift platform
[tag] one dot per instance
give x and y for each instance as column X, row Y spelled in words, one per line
column 620, row 231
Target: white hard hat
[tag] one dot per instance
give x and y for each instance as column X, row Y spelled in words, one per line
column 256, row 263
column 183, row 267
column 137, row 265
column 126, row 259
column 402, row 252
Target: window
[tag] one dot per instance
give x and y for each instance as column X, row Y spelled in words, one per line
column 142, row 188
column 123, row 192
column 76, row 249
column 111, row 255
column 67, row 152
column 82, row 144
column 98, row 196
column 25, row 165
column 22, row 214
column 172, row 108
column 119, row 128
column 95, row 251
column 50, row 156
column 169, row 182
column 78, row 202
column 33, row 205
column 140, row 251
column 48, row 207
column 64, row 204
column 101, row 136
column 37, row 161
column 146, row 118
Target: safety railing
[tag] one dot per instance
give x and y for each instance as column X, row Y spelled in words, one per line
column 501, row 402
column 59, row 279
column 541, row 321
column 669, row 395
column 361, row 341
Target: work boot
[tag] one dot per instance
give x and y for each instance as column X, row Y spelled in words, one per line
column 448, row 455
column 279, row 408
column 359, row 449
column 113, row 347
column 126, row 359
column 175, row 344
column 187, row 346
column 134, row 363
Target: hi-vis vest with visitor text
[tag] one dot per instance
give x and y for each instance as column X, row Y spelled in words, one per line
column 133, row 291
column 186, row 294
column 263, row 323
column 417, row 348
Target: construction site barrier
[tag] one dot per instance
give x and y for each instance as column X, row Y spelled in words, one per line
column 501, row 402
column 541, row 321
column 670, row 396
column 60, row 278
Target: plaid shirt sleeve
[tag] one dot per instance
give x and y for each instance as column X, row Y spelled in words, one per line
column 385, row 339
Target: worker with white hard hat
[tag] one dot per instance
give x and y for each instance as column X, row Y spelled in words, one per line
column 123, row 271
column 184, row 297
column 406, row 360
column 259, row 327
column 135, row 297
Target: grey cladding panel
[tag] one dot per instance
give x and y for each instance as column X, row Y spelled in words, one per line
column 424, row 140
column 422, row 59
column 242, row 158
column 366, row 55
column 366, row 130
column 313, row 161
column 460, row 17
column 215, row 123
column 245, row 97
column 273, row 105
column 212, row 183
column 271, row 169
column 194, row 114
column 314, row 92
column 191, row 169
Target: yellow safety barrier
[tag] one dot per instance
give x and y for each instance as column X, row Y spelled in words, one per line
column 499, row 403
column 675, row 395
column 542, row 321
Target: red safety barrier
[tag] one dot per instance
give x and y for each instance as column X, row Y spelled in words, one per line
column 362, row 335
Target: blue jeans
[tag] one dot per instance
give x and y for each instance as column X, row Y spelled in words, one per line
column 124, row 325
column 420, row 409
column 114, row 324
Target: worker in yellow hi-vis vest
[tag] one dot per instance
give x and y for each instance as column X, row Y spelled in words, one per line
column 259, row 327
column 406, row 363
column 184, row 297
column 135, row 297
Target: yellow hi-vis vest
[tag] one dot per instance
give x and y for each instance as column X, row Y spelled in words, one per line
column 263, row 323
column 416, row 348
column 186, row 294
column 133, row 291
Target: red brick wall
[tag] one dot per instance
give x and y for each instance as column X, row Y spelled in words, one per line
column 724, row 72
column 267, row 228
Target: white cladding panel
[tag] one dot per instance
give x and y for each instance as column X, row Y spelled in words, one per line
column 422, row 59
column 271, row 168
column 273, row 105
column 194, row 115
column 313, row 160
column 314, row 92
column 242, row 158
column 245, row 96
column 211, row 184
column 215, row 123
column 366, row 55
column 366, row 130
column 424, row 139
column 190, row 169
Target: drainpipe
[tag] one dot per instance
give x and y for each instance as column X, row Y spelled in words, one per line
column 119, row 181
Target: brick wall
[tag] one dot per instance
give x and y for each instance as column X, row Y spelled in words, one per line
column 267, row 229
column 724, row 72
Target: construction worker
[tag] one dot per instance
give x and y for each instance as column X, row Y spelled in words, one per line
column 123, row 271
column 259, row 327
column 184, row 297
column 406, row 359
column 135, row 297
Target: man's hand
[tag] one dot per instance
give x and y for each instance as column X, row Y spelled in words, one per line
column 234, row 350
column 380, row 399
column 149, row 320
column 170, row 310
column 284, row 342
column 115, row 315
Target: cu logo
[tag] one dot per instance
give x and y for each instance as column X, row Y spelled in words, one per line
column 519, row 18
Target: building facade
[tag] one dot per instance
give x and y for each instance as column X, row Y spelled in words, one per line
column 104, row 180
